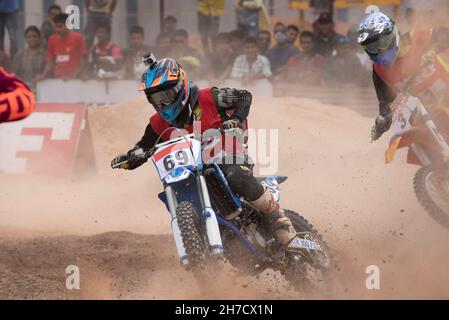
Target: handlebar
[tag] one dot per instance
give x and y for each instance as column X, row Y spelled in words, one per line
column 149, row 153
column 143, row 156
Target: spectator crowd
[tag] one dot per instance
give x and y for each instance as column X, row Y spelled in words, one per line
column 251, row 52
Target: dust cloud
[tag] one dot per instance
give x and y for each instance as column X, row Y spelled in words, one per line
column 112, row 225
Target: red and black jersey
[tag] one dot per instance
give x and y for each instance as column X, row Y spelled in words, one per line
column 408, row 63
column 213, row 107
column 16, row 99
column 388, row 81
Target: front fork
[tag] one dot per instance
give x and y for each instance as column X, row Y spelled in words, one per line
column 211, row 223
column 172, row 203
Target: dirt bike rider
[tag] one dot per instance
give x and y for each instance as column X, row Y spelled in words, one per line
column 179, row 102
column 398, row 59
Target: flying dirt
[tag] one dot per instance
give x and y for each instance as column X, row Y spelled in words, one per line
column 112, row 226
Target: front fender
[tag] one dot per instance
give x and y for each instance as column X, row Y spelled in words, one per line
column 414, row 135
column 178, row 174
column 184, row 183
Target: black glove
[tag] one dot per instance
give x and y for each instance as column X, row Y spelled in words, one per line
column 232, row 123
column 382, row 124
column 135, row 158
column 119, row 159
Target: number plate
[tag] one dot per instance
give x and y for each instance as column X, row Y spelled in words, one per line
column 402, row 115
column 176, row 155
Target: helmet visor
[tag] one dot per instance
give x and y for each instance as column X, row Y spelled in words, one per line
column 164, row 97
column 383, row 44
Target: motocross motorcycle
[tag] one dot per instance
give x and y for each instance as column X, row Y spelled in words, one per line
column 425, row 132
column 209, row 221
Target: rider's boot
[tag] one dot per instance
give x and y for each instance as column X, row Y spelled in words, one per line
column 281, row 225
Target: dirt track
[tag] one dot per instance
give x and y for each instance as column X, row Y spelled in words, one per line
column 365, row 209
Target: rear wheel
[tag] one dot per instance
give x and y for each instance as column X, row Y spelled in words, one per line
column 191, row 236
column 308, row 270
column 432, row 190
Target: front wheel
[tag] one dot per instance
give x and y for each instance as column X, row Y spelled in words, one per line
column 191, row 236
column 310, row 269
column 432, row 190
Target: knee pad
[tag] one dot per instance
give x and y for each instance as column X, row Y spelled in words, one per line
column 242, row 181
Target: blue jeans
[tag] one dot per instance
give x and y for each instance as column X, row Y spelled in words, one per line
column 248, row 21
column 9, row 21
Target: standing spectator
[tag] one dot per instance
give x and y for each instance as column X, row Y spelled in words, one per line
column 48, row 25
column 98, row 12
column 326, row 39
column 249, row 14
column 306, row 67
column 251, row 65
column 66, row 52
column 30, row 62
column 133, row 55
column 222, row 58
column 9, row 12
column 106, row 59
column 209, row 12
column 292, row 34
column 170, row 25
column 282, row 51
column 164, row 45
column 264, row 41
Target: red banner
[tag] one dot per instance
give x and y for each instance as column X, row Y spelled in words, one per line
column 44, row 143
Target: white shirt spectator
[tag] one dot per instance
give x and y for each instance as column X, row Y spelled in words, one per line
column 260, row 67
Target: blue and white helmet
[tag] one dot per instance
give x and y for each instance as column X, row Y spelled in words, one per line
column 379, row 37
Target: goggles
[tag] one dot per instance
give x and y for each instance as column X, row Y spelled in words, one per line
column 381, row 45
column 387, row 58
column 164, row 97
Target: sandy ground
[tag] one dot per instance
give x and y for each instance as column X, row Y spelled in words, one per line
column 112, row 226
